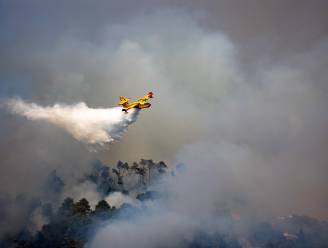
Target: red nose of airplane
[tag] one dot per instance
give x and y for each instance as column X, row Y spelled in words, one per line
column 150, row 94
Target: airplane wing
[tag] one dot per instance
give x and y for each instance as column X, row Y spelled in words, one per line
column 124, row 100
column 143, row 99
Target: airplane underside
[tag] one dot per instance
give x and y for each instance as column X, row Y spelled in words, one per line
column 143, row 106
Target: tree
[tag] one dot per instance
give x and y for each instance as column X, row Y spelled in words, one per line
column 119, row 176
column 147, row 165
column 103, row 210
column 82, row 207
column 161, row 167
column 134, row 166
column 67, row 208
column 141, row 172
column 71, row 243
column 102, row 205
column 122, row 167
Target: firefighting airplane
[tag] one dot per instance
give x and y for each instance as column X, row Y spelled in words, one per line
column 140, row 104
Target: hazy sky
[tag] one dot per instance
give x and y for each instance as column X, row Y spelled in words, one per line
column 243, row 77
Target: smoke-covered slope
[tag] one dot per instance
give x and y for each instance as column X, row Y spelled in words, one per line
column 133, row 209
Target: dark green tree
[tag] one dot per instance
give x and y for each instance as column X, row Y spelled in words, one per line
column 102, row 205
column 67, row 208
column 103, row 210
column 82, row 207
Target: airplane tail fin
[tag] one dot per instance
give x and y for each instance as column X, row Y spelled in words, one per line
column 150, row 94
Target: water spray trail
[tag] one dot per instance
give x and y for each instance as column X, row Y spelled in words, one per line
column 95, row 126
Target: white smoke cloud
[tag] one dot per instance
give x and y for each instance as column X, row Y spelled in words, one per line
column 117, row 199
column 151, row 230
column 85, row 190
column 89, row 125
column 37, row 220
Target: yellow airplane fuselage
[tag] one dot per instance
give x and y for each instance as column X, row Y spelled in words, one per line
column 139, row 104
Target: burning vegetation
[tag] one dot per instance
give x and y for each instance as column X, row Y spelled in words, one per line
column 125, row 192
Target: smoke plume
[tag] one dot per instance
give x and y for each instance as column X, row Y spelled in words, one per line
column 243, row 89
column 89, row 125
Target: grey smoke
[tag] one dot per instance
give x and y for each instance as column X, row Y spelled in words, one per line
column 246, row 104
